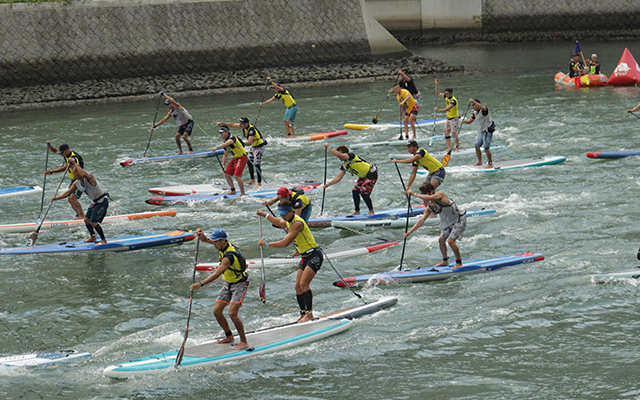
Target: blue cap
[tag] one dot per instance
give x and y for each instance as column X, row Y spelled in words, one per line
column 166, row 103
column 284, row 210
column 223, row 129
column 218, row 234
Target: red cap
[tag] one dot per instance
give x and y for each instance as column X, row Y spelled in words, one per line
column 283, row 191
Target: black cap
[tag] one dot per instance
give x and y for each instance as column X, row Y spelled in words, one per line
column 63, row 147
column 244, row 120
column 412, row 143
column 223, row 129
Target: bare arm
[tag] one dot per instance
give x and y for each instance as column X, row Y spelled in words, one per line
column 335, row 180
column 278, row 222
column 341, row 156
column 163, row 120
column 66, row 194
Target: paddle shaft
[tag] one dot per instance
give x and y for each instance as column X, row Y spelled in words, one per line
column 376, row 117
column 264, row 93
column 406, row 225
column 325, row 181
column 44, row 181
column 262, row 290
column 401, row 123
column 34, row 236
column 340, row 277
column 635, row 115
column 186, row 332
column 447, row 157
column 152, row 126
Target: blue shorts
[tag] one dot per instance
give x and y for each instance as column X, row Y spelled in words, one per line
column 290, row 114
column 483, row 139
column 97, row 211
column 306, row 213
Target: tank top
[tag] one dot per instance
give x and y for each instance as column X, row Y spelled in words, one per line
column 429, row 162
column 453, row 112
column 286, row 98
column 305, row 242
column 251, row 130
column 237, row 147
column 96, row 193
column 449, row 213
column 410, row 103
column 79, row 161
column 482, row 121
column 181, row 117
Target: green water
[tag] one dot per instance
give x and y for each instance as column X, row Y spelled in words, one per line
column 541, row 330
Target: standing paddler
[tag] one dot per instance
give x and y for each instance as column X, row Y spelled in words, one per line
column 86, row 183
column 452, row 125
column 257, row 144
column 183, row 119
column 407, row 107
column 409, row 84
column 68, row 154
column 239, row 159
column 300, row 235
column 233, row 269
column 422, row 158
column 287, row 99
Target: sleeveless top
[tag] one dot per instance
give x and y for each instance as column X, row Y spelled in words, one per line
column 449, row 213
column 96, row 193
column 356, row 166
column 181, row 117
column 453, row 112
column 428, row 162
column 236, row 272
column 482, row 121
column 304, row 241
column 286, row 98
column 236, row 148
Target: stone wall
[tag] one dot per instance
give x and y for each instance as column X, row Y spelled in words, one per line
column 48, row 43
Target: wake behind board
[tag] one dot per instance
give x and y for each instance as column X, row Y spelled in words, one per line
column 613, row 154
column 434, row 273
column 210, row 353
column 401, row 142
column 343, row 252
column 317, row 136
column 30, row 227
column 195, row 198
column 208, row 189
column 173, row 157
column 37, row 359
column 386, row 214
column 440, row 154
column 119, row 244
column 18, row 191
column 423, row 122
column 608, row 277
column 364, row 309
column 503, row 165
column 397, row 222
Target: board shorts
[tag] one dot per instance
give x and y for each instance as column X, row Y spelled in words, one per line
column 255, row 155
column 290, row 114
column 313, row 260
column 452, row 125
column 418, row 99
column 236, row 166
column 97, row 211
column 188, row 127
column 232, row 292
column 364, row 185
column 483, row 139
column 455, row 230
column 78, row 193
column 439, row 175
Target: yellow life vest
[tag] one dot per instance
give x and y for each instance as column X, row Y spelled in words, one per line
column 237, row 271
column 237, row 147
column 296, row 195
column 428, row 162
column 411, row 102
column 453, row 112
column 286, row 98
column 257, row 140
column 304, row 241
column 79, row 161
column 357, row 166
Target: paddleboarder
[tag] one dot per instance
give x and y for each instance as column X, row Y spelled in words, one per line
column 422, row 158
column 301, row 203
column 68, row 154
column 453, row 221
column 486, row 127
column 184, row 122
column 452, row 124
column 287, row 99
column 236, row 166
column 300, row 235
column 257, row 142
column 367, row 176
column 233, row 268
column 409, row 84
column 407, row 106
column 86, row 183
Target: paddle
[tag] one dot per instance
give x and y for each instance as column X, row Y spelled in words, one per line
column 447, row 157
column 433, row 135
column 262, row 291
column 264, row 93
column 34, row 236
column 635, row 115
column 340, row 277
column 186, row 332
column 154, row 124
column 376, row 118
column 401, row 124
column 44, row 181
column 406, row 225
column 325, row 181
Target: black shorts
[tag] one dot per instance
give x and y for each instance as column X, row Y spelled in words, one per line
column 188, row 127
column 313, row 261
column 97, row 211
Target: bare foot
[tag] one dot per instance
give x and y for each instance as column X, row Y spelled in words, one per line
column 242, row 194
column 355, row 213
column 306, row 317
column 190, row 152
column 489, row 165
column 241, row 346
column 78, row 217
column 251, row 182
column 103, row 242
column 457, row 149
column 478, row 163
column 231, row 192
column 179, row 153
column 442, row 264
column 228, row 339
column 370, row 213
column 91, row 239
column 456, row 266
column 300, row 319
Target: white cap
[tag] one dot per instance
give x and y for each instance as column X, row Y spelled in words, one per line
column 594, row 55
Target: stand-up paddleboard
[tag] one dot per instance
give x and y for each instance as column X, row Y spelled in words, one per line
column 386, row 214
column 317, row 136
column 173, row 157
column 604, row 277
column 397, row 222
column 427, row 274
column 440, row 154
column 364, row 309
column 503, row 165
column 37, row 359
column 18, row 191
column 116, row 244
column 30, row 227
column 359, row 127
column 195, row 198
column 211, row 353
column 343, row 252
column 613, row 154
column 208, row 189
column 402, row 142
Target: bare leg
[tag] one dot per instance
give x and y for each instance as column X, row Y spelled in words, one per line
column 456, row 252
column 230, row 182
column 241, row 185
column 233, row 314
column 412, row 120
column 185, row 136
column 489, row 157
column 479, row 155
column 406, row 126
column 447, row 137
column 76, row 206
column 442, row 244
column 178, row 143
column 222, row 321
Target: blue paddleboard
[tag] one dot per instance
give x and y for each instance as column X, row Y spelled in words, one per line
column 197, row 154
column 386, row 214
column 17, row 191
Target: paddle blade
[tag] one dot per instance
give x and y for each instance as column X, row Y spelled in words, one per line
column 179, row 356
column 446, row 158
column 32, row 239
column 375, row 119
column 263, row 293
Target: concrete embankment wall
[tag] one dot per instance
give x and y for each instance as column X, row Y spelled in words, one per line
column 53, row 42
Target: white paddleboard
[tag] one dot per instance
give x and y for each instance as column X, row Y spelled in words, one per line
column 36, row 359
column 440, row 154
column 18, row 191
column 503, row 165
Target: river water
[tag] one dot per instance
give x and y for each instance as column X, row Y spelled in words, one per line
column 541, row 330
